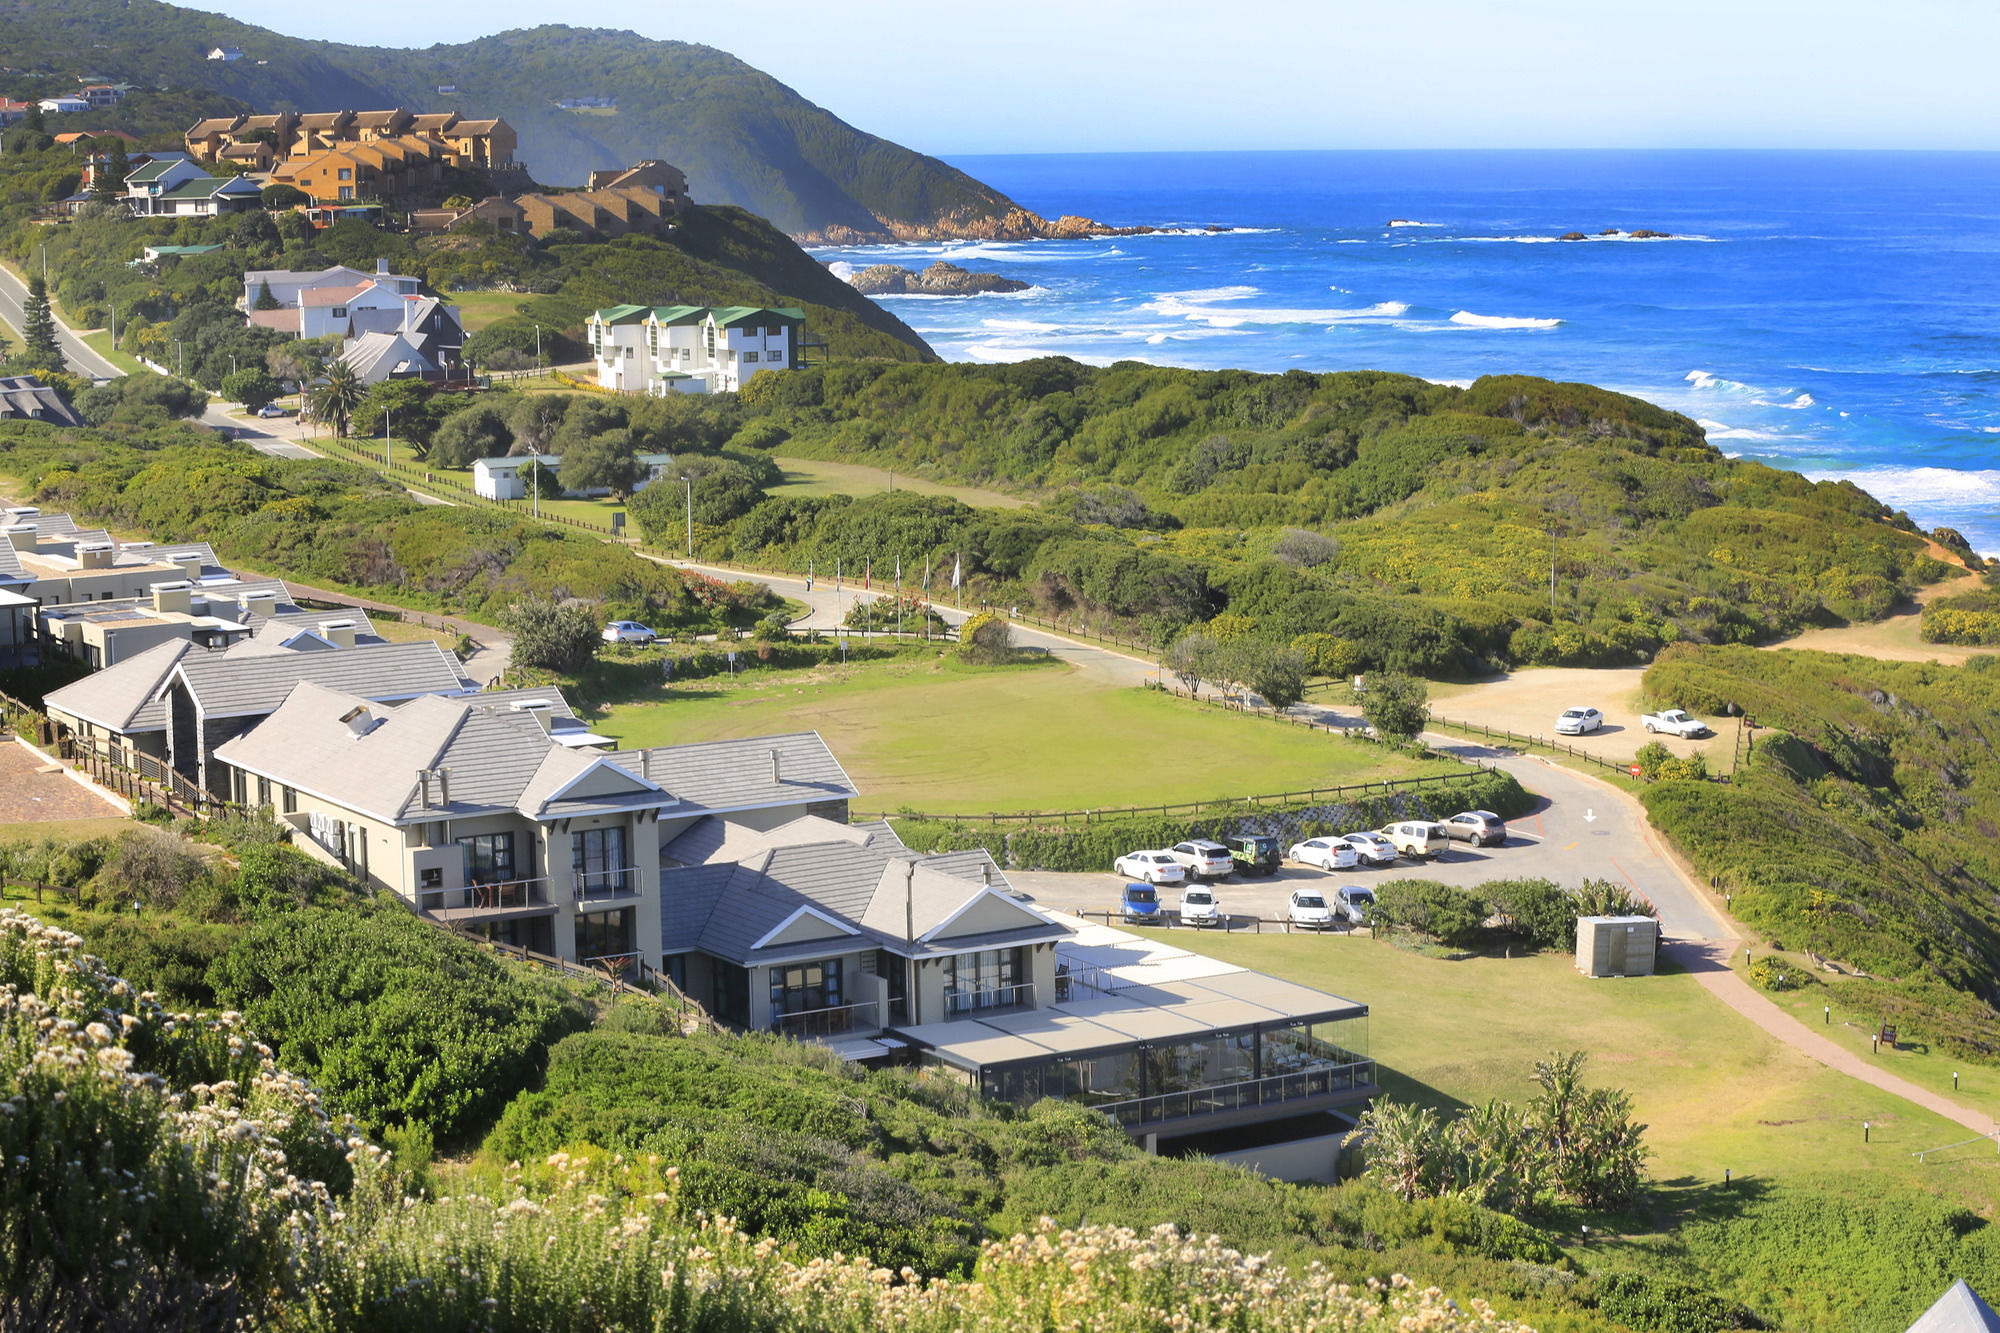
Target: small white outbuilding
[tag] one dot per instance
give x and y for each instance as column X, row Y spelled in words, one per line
column 1616, row 946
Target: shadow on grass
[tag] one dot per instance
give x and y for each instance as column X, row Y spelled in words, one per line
column 1400, row 1087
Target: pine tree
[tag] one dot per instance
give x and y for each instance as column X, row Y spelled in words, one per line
column 264, row 301
column 108, row 182
column 38, row 328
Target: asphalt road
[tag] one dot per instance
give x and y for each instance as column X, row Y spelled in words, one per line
column 14, row 294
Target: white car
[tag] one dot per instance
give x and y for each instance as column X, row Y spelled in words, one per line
column 1355, row 903
column 1418, row 839
column 1152, row 867
column 628, row 631
column 1326, row 853
column 1307, row 909
column 1202, row 859
column 1576, row 721
column 270, row 410
column 1674, row 722
column 1199, row 907
column 1372, row 848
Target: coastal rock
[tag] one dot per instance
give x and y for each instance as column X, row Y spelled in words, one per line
column 1016, row 224
column 1572, row 236
column 940, row 279
column 1645, row 234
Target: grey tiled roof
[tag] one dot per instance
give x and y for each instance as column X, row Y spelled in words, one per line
column 10, row 563
column 857, row 880
column 736, row 774
column 506, row 699
column 226, row 686
column 123, row 697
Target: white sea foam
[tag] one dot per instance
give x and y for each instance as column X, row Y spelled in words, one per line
column 1466, row 319
column 1405, row 222
column 1705, row 379
column 1205, row 295
column 1455, row 384
column 1621, row 236
column 1233, row 316
column 1717, row 430
column 1026, row 293
column 1350, row 242
column 1906, row 486
column 841, row 269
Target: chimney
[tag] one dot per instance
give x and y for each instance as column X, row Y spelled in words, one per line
column 263, row 603
column 21, row 513
column 382, row 267
column 986, row 873
column 539, row 709
column 172, row 597
column 23, row 535
column 97, row 555
column 646, row 765
column 189, row 561
column 776, row 776
column 424, row 787
column 444, row 787
column 339, row 633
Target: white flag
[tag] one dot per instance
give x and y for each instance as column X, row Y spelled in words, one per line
column 957, row 573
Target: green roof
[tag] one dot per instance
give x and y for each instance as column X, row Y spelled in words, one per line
column 623, row 314
column 152, row 169
column 729, row 316
column 183, row 249
column 680, row 314
column 205, row 187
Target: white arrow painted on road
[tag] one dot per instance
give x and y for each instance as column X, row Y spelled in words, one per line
column 1590, row 816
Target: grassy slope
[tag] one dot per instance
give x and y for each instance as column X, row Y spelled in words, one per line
column 1873, row 784
column 1812, row 1233
column 742, row 137
column 942, row 737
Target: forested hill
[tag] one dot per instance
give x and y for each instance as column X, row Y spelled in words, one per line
column 742, row 137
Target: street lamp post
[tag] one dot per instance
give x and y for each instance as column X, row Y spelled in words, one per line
column 386, row 460
column 689, row 481
column 538, row 347
column 535, row 482
column 180, row 361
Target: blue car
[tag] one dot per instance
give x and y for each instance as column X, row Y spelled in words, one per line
column 1141, row 904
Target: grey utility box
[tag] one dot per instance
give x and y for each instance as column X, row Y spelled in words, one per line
column 1616, row 946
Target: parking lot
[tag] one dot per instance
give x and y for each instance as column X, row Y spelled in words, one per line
column 1529, row 702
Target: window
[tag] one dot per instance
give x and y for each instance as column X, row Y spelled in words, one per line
column 346, row 193
column 489, row 858
column 264, row 792
column 288, row 800
column 340, row 312
column 346, row 174
column 985, row 980
column 598, row 857
column 749, row 356
column 604, row 935
column 803, row 987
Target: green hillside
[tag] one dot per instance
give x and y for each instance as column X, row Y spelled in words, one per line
column 1866, row 828
column 742, row 137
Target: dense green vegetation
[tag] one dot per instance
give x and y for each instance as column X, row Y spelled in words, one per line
column 1865, row 828
column 742, row 137
column 1373, row 521
column 1969, row 617
column 329, row 523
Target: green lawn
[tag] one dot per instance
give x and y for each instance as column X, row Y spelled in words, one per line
column 476, row 310
column 936, row 736
column 99, row 341
column 814, row 476
column 61, row 829
column 1715, row 1090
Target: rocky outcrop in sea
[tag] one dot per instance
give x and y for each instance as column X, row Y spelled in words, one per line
column 940, row 279
column 1016, row 224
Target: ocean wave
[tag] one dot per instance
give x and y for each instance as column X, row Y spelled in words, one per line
column 1405, row 222
column 1350, row 242
column 1466, row 319
column 1234, row 316
column 1558, row 240
column 1804, row 400
column 1204, row 295
column 1025, row 294
column 1904, row 486
column 1181, row 230
column 1704, row 380
column 841, row 269
column 1718, row 430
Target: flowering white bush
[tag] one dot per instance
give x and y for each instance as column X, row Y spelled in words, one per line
column 154, row 1162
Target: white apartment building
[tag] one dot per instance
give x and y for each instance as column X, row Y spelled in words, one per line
column 690, row 349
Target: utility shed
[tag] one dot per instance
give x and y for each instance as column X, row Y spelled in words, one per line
column 1616, row 946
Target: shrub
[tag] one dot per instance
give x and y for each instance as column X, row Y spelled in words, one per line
column 986, row 638
column 1396, row 705
column 1657, row 762
column 1451, row 916
column 1534, row 910
column 552, row 637
column 1655, row 1304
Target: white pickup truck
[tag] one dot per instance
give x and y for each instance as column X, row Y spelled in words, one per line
column 1674, row 722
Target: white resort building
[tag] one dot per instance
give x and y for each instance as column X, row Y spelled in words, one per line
column 658, row 350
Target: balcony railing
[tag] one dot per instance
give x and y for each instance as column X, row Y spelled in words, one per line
column 1277, row 1089
column 474, row 901
column 835, row 1021
column 604, row 885
column 970, row 999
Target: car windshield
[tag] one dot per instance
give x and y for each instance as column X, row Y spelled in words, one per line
column 1260, row 844
column 1573, row 712
column 1310, row 900
column 1139, row 895
column 1360, row 896
column 1198, row 899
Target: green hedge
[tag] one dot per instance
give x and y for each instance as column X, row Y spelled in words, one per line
column 1093, row 846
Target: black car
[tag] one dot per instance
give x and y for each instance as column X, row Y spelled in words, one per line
column 1254, row 853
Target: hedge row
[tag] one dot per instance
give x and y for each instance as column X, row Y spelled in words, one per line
column 1078, row 846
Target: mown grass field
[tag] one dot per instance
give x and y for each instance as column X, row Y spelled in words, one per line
column 1717, row 1091
column 937, row 736
column 815, row 476
column 476, row 310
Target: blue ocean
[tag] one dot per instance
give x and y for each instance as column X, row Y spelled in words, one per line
column 1834, row 313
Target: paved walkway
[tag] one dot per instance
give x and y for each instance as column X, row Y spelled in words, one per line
column 1711, row 968
column 35, row 789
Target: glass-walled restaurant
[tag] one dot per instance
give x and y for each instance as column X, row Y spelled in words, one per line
column 1149, row 1057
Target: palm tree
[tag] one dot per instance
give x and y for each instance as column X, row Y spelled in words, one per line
column 335, row 400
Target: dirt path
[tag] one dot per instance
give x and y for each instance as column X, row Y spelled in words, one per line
column 1712, row 970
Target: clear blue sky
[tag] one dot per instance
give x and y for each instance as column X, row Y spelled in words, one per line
column 1056, row 75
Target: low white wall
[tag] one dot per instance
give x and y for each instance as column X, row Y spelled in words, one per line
column 1314, row 1159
